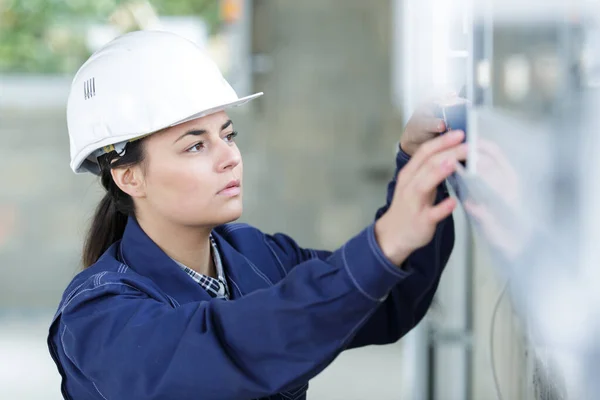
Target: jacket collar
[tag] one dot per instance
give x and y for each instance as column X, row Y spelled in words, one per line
column 242, row 275
column 144, row 256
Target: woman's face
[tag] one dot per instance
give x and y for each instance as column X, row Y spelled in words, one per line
column 192, row 173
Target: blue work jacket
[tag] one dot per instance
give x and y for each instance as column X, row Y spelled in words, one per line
column 136, row 326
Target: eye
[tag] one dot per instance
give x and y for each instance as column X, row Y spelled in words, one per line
column 196, row 148
column 231, row 136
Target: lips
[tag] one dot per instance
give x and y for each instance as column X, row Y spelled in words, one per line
column 232, row 184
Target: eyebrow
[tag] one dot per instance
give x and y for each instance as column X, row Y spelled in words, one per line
column 198, row 132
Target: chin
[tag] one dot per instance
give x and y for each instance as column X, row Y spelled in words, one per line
column 229, row 213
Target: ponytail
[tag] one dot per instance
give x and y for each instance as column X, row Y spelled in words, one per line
column 107, row 227
column 110, row 217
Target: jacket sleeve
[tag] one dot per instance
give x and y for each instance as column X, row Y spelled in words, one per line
column 410, row 298
column 131, row 345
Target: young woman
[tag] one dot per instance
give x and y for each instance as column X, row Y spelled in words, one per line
column 177, row 302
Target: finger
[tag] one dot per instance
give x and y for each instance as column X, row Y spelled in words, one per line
column 441, row 211
column 437, row 169
column 431, row 147
column 432, row 125
column 426, row 121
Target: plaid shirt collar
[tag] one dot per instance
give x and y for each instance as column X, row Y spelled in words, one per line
column 216, row 287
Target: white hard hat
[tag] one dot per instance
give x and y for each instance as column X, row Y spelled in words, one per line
column 138, row 84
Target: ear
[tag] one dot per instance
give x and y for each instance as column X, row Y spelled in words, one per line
column 130, row 180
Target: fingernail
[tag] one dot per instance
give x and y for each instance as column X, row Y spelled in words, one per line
column 457, row 134
column 441, row 126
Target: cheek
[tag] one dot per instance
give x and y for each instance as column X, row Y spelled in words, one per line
column 180, row 185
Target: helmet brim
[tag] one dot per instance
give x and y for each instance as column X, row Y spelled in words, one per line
column 222, row 107
column 83, row 163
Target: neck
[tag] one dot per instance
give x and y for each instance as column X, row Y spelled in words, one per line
column 188, row 245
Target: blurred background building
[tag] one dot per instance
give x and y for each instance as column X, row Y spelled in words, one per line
column 341, row 77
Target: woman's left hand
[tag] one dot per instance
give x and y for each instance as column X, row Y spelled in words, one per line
column 423, row 125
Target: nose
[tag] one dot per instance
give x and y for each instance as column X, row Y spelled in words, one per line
column 228, row 157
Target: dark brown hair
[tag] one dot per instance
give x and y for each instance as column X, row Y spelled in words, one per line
column 110, row 217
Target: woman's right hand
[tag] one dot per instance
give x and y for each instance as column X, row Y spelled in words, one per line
column 412, row 217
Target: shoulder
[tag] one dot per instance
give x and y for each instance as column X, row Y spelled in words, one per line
column 107, row 277
column 278, row 249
